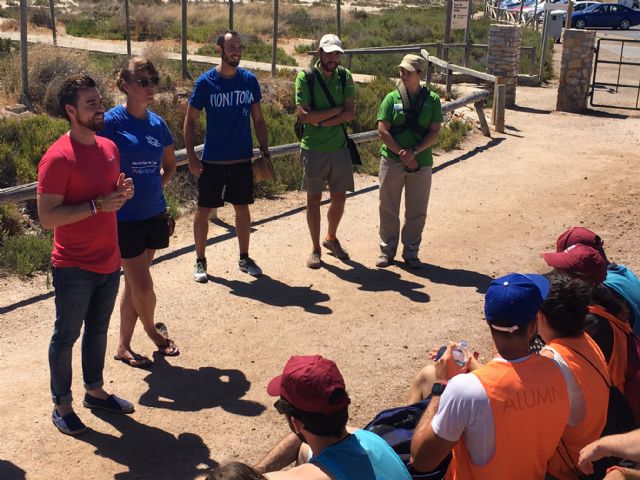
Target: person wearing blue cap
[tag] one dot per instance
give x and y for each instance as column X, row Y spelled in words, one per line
column 505, row 419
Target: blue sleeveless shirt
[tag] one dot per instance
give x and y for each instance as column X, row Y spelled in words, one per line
column 362, row 455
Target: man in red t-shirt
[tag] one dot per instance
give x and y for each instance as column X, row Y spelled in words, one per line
column 80, row 188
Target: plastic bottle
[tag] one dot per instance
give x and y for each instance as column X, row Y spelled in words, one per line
column 459, row 353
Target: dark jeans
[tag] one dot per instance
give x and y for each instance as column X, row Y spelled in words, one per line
column 80, row 296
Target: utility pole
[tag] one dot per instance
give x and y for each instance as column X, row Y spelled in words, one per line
column 23, row 54
column 274, row 44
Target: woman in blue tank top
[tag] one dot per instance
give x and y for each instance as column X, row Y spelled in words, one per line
column 147, row 156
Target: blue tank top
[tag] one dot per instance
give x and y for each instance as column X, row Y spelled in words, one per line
column 362, row 455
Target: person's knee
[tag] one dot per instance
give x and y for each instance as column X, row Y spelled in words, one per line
column 314, row 200
column 242, row 212
column 338, row 199
column 202, row 215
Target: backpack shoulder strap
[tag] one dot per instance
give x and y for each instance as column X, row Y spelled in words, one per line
column 342, row 75
column 404, row 95
column 608, row 383
column 422, row 97
column 310, row 78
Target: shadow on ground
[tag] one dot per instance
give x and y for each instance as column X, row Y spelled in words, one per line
column 149, row 452
column 10, row 471
column 273, row 292
column 191, row 390
column 456, row 277
column 378, row 280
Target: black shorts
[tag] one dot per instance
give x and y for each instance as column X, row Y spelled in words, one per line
column 136, row 236
column 225, row 183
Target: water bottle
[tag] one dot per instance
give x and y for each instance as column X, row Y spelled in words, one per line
column 459, row 353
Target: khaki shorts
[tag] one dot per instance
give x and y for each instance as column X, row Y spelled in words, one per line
column 327, row 168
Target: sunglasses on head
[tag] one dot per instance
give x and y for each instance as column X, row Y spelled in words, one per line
column 146, row 82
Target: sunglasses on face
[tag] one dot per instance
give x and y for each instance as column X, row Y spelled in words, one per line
column 145, row 82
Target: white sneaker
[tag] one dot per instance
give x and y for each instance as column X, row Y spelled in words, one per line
column 247, row 265
column 200, row 271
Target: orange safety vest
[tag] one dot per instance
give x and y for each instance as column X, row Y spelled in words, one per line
column 617, row 364
column 530, row 406
column 564, row 464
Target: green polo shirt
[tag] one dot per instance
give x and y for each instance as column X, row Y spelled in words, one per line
column 323, row 139
column 391, row 111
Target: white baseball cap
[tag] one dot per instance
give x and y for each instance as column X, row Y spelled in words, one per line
column 331, row 43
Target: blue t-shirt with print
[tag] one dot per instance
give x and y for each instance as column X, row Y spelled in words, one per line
column 141, row 144
column 227, row 103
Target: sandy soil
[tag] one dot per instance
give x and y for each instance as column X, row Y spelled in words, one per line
column 495, row 206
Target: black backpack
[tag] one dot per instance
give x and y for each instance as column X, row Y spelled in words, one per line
column 620, row 419
column 411, row 113
column 310, row 77
column 396, row 426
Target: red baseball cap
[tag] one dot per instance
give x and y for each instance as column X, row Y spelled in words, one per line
column 308, row 382
column 581, row 260
column 579, row 235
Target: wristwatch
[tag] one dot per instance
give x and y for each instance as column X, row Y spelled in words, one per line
column 438, row 389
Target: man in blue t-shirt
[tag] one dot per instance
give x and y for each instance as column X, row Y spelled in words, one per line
column 229, row 95
column 315, row 402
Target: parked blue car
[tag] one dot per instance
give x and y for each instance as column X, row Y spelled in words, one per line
column 606, row 15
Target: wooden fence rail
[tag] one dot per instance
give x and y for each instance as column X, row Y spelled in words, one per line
column 28, row 191
column 498, row 93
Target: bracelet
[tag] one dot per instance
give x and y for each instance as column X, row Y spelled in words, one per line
column 92, row 206
column 265, row 153
column 99, row 203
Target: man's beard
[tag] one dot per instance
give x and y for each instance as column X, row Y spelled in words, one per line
column 329, row 67
column 95, row 124
column 227, row 59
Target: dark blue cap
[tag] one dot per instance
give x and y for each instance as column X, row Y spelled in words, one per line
column 513, row 301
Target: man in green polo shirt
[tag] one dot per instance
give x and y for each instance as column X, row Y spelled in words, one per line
column 325, row 156
column 408, row 127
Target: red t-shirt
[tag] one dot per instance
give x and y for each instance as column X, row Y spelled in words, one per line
column 81, row 173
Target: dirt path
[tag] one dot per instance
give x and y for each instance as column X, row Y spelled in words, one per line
column 492, row 211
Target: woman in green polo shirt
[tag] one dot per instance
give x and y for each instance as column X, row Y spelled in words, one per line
column 408, row 127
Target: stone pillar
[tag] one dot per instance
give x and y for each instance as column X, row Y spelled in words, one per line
column 503, row 57
column 575, row 70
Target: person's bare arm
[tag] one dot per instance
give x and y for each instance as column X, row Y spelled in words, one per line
column 302, row 472
column 313, row 117
column 626, row 446
column 53, row 213
column 189, row 128
column 169, row 163
column 260, row 127
column 427, row 448
column 280, row 456
column 346, row 115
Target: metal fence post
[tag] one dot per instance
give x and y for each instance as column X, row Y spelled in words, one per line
column 449, row 81
column 183, row 41
column 230, row 14
column 26, row 100
column 338, row 22
column 127, row 27
column 52, row 10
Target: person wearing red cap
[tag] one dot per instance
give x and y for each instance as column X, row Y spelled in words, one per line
column 315, row 402
column 580, row 261
column 505, row 419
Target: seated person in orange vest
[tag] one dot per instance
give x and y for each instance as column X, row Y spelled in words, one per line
column 583, row 367
column 503, row 420
column 625, row 446
column 314, row 400
column 609, row 313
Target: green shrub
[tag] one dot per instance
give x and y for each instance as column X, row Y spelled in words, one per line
column 452, row 134
column 10, row 224
column 255, row 50
column 25, row 255
column 22, row 144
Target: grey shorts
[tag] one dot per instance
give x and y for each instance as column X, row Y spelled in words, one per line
column 327, row 168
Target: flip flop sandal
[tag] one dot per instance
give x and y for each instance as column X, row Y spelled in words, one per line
column 170, row 349
column 141, row 361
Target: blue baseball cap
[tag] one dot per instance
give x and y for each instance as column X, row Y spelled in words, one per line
column 513, row 301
